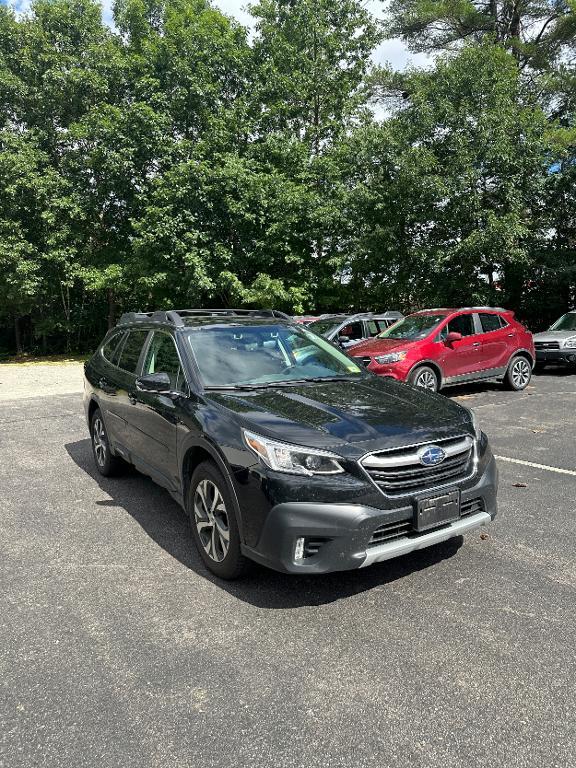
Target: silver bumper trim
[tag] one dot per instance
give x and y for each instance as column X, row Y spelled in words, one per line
column 405, row 544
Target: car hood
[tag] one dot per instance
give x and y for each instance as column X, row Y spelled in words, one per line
column 554, row 335
column 372, row 347
column 358, row 416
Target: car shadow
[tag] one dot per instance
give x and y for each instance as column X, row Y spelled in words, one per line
column 167, row 525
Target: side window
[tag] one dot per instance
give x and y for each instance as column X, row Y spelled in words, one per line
column 463, row 324
column 373, row 328
column 112, row 347
column 352, row 330
column 130, row 353
column 162, row 357
column 490, row 322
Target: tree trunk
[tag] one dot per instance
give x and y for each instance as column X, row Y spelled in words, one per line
column 17, row 335
column 111, row 309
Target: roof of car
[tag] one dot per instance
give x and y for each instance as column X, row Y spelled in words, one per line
column 181, row 318
column 363, row 316
column 451, row 310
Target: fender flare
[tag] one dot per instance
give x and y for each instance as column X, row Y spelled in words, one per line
column 431, row 364
column 204, row 443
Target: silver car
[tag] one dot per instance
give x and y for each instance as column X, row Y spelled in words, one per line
column 557, row 345
column 348, row 330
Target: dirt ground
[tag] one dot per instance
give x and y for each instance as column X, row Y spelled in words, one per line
column 20, row 380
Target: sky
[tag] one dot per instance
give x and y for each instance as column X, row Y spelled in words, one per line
column 391, row 52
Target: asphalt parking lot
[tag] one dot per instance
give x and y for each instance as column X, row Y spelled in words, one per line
column 118, row 649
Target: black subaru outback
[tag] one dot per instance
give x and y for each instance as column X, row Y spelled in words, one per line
column 281, row 448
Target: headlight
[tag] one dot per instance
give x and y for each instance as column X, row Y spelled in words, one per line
column 392, row 357
column 294, row 459
column 570, row 343
column 476, row 425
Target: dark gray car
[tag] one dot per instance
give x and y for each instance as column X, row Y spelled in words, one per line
column 557, row 345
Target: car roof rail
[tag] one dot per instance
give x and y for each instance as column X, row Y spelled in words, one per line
column 176, row 317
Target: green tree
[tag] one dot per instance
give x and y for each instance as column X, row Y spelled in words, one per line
column 535, row 31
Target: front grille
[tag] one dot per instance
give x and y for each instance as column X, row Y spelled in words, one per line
column 471, row 507
column 547, row 344
column 390, row 531
column 400, row 470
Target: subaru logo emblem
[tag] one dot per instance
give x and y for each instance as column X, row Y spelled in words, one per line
column 431, row 455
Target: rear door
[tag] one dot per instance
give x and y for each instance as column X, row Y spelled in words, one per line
column 156, row 417
column 495, row 340
column 463, row 357
column 128, row 369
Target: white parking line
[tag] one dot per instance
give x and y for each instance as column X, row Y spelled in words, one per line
column 558, row 470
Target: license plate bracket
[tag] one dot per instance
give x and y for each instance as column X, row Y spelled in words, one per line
column 437, row 510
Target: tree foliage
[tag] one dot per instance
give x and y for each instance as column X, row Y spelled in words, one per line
column 174, row 160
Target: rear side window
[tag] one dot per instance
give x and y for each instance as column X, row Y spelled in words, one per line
column 490, row 322
column 463, row 324
column 162, row 357
column 131, row 350
column 377, row 326
column 111, row 349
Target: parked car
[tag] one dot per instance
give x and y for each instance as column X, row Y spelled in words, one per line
column 281, row 448
column 349, row 330
column 557, row 345
column 437, row 347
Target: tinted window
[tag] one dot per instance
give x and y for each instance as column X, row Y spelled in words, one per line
column 162, row 357
column 463, row 324
column 130, row 353
column 490, row 322
column 352, row 330
column 111, row 348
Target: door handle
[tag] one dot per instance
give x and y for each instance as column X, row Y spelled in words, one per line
column 476, row 344
column 511, row 335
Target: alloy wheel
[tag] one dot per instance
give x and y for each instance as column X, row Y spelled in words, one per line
column 99, row 441
column 520, row 373
column 211, row 520
column 426, row 380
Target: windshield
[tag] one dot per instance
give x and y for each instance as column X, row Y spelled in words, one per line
column 324, row 327
column 413, row 327
column 238, row 355
column 565, row 323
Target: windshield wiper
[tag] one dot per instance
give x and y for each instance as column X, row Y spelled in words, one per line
column 282, row 383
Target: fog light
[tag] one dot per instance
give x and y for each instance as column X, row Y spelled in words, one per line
column 299, row 549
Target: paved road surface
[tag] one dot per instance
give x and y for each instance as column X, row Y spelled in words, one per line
column 117, row 649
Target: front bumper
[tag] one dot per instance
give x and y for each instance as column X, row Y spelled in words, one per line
column 556, row 356
column 339, row 535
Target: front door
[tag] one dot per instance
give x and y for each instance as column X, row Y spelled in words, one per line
column 463, row 357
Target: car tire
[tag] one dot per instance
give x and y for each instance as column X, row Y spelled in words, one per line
column 106, row 463
column 214, row 525
column 519, row 373
column 424, row 377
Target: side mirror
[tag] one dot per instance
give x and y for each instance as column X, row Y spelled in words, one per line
column 453, row 336
column 343, row 339
column 158, row 383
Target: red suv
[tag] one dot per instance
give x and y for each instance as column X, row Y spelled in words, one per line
column 437, row 347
